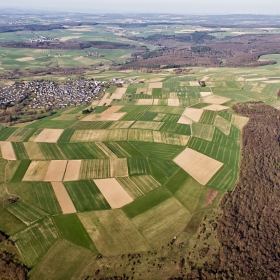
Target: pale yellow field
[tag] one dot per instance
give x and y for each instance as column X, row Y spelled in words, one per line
column 118, row 93
column 49, row 135
column 222, row 124
column 256, row 79
column 63, row 39
column 23, row 59
column 173, row 102
column 194, row 83
column 113, row 192
column 202, row 168
column 193, row 114
column 204, row 94
column 155, row 85
column 36, row 171
column 108, row 115
column 56, row 170
column 7, row 150
column 239, row 121
column 184, row 120
column 215, row 99
column 33, row 150
column 105, row 99
column 215, row 107
column 118, row 167
column 63, row 198
column 155, row 101
column 72, row 170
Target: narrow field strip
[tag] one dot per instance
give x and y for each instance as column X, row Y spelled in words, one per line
column 72, row 170
column 105, row 150
column 49, row 135
column 56, row 170
column 63, row 198
column 7, row 150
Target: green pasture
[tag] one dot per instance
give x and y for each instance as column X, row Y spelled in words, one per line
column 39, row 194
column 64, row 260
column 146, row 202
column 123, row 239
column 34, row 241
column 70, row 227
column 9, row 223
column 6, row 132
column 26, row 212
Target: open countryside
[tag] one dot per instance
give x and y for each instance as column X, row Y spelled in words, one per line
column 124, row 172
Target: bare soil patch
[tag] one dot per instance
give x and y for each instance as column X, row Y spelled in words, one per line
column 72, row 170
column 204, row 94
column 193, row 114
column 173, row 102
column 7, row 150
column 118, row 93
column 215, row 99
column 210, row 197
column 256, row 79
column 108, row 115
column 202, row 168
column 63, row 39
column 49, row 135
column 194, row 83
column 113, row 192
column 184, row 120
column 56, row 170
column 155, row 85
column 63, row 198
column 23, row 59
column 215, row 107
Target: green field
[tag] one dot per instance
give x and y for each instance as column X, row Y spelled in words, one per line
column 35, row 241
column 86, row 196
column 123, row 239
column 39, row 194
column 6, row 132
column 70, row 227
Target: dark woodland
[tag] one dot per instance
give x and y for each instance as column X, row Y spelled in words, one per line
column 249, row 229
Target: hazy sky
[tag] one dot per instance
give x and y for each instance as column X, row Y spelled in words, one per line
column 153, row 6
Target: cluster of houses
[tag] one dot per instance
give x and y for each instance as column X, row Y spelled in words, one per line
column 40, row 94
column 40, row 39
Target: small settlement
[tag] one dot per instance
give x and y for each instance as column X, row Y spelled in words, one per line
column 40, row 94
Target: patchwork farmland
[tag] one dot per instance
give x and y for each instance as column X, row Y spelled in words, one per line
column 130, row 176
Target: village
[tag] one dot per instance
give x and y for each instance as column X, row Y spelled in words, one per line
column 39, row 94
